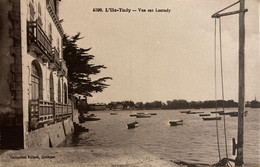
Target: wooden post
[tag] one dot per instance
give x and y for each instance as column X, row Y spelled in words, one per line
column 241, row 103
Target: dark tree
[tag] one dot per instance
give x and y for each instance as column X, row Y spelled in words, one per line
column 80, row 69
column 139, row 105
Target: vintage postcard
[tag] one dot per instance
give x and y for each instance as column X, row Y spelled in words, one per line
column 129, row 83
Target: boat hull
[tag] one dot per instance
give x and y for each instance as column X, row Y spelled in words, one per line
column 203, row 115
column 210, row 119
column 191, row 113
column 213, row 112
column 143, row 115
column 233, row 114
column 132, row 125
column 176, row 122
column 92, row 119
column 185, row 111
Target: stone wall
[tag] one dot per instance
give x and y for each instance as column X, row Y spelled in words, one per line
column 50, row 136
column 11, row 113
column 75, row 116
column 68, row 127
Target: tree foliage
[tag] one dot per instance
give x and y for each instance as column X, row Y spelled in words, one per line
column 80, row 69
column 175, row 104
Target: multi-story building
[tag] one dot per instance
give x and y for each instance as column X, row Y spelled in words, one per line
column 33, row 75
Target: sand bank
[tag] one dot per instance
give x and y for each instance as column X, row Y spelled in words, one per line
column 82, row 156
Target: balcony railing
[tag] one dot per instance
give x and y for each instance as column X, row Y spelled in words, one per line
column 37, row 36
column 44, row 112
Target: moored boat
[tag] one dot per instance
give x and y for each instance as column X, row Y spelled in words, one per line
column 213, row 112
column 233, row 114
column 113, row 113
column 153, row 113
column 199, row 112
column 176, row 122
column 202, row 115
column 132, row 125
column 133, row 115
column 211, row 118
column 143, row 115
column 223, row 113
column 91, row 117
column 191, row 113
column 185, row 111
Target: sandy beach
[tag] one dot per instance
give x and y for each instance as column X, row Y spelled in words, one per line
column 82, row 156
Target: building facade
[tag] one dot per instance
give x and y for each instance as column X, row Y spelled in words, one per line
column 97, row 107
column 33, row 73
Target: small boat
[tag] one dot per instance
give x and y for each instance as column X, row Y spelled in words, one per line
column 191, row 113
column 133, row 115
column 211, row 118
column 233, row 114
column 202, row 115
column 91, row 117
column 185, row 111
column 81, row 119
column 143, row 115
column 223, row 113
column 216, row 112
column 153, row 113
column 132, row 125
column 199, row 112
column 176, row 122
column 113, row 113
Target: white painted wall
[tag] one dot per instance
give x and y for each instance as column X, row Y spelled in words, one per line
column 28, row 57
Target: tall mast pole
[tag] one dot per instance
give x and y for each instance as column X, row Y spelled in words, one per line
column 241, row 103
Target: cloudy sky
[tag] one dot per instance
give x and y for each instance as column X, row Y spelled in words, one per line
column 164, row 56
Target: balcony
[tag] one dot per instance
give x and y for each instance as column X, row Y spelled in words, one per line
column 38, row 40
column 44, row 112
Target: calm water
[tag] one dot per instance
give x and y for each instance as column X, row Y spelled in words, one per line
column 194, row 142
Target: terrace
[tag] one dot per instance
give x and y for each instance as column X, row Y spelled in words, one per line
column 45, row 112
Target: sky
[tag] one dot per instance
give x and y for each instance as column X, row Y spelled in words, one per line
column 165, row 56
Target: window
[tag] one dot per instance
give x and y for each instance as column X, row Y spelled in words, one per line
column 50, row 32
column 39, row 9
column 36, row 81
column 59, row 91
column 39, row 20
column 51, row 88
column 65, row 95
column 32, row 12
column 58, row 45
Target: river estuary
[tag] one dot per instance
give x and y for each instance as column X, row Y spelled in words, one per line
column 194, row 142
